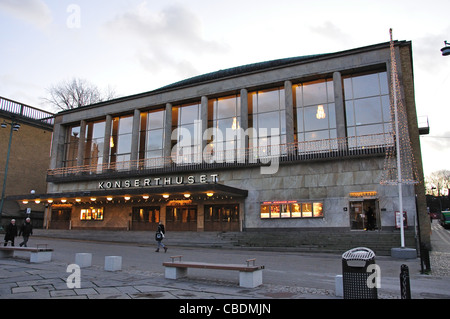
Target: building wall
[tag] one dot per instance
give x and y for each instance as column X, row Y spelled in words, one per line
column 330, row 181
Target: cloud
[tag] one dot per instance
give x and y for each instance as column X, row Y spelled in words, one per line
column 330, row 31
column 35, row 12
column 171, row 38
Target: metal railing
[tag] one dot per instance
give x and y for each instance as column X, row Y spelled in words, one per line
column 26, row 111
column 284, row 153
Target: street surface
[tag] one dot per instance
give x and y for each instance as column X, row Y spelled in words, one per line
column 286, row 274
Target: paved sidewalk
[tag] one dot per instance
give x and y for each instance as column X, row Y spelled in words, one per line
column 288, row 275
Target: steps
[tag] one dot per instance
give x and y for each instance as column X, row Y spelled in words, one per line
column 321, row 241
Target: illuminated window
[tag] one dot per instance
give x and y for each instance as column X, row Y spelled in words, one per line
column 91, row 214
column 291, row 209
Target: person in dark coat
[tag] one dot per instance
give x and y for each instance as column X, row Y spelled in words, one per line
column 159, row 236
column 11, row 232
column 26, row 230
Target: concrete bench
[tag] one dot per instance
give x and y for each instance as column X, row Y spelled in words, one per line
column 38, row 254
column 250, row 276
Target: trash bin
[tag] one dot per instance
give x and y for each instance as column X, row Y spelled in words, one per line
column 355, row 263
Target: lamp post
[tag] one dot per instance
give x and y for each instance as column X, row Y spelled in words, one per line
column 14, row 128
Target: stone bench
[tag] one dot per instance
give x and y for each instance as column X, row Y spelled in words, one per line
column 38, row 254
column 250, row 276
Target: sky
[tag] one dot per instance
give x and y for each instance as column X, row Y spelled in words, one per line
column 135, row 46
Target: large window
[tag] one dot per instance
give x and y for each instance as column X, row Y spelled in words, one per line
column 146, row 214
column 367, row 108
column 266, row 109
column 95, row 136
column 316, row 116
column 152, row 138
column 95, row 214
column 71, row 146
column 291, row 209
column 186, row 119
column 120, row 142
column 224, row 118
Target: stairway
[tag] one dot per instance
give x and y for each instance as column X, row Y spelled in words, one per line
column 320, row 241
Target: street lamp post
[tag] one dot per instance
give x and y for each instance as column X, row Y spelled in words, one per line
column 14, row 128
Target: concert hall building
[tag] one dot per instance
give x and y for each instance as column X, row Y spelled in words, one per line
column 296, row 143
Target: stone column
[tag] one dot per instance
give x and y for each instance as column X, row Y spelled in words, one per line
column 81, row 144
column 289, row 104
column 135, row 140
column 167, row 135
column 242, row 140
column 341, row 131
column 106, row 142
column 204, row 119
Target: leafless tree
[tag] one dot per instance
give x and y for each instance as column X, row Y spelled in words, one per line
column 75, row 93
column 437, row 182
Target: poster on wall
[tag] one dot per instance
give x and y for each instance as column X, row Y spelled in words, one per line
column 398, row 220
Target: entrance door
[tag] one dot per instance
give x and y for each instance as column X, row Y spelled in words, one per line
column 222, row 217
column 363, row 215
column 60, row 218
column 181, row 218
column 145, row 218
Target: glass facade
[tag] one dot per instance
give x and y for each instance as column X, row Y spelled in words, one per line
column 316, row 115
column 367, row 108
column 224, row 120
column 151, row 141
column 266, row 109
column 367, row 122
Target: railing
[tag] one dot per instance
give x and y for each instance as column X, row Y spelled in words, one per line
column 26, row 111
column 263, row 155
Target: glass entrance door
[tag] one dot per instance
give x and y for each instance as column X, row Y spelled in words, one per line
column 181, row 218
column 364, row 215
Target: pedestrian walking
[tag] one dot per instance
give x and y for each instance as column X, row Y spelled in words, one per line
column 26, row 230
column 10, row 232
column 159, row 236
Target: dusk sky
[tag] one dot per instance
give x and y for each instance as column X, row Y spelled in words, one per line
column 134, row 46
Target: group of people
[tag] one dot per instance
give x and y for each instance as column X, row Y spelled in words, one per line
column 12, row 231
column 26, row 230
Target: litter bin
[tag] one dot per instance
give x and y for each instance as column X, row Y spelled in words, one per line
column 355, row 263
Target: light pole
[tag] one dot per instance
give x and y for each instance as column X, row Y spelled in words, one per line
column 14, row 128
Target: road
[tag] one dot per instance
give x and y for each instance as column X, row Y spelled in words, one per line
column 285, row 269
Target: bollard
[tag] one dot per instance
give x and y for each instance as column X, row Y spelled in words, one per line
column 405, row 287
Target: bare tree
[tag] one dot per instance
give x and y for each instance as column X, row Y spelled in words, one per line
column 75, row 93
column 438, row 181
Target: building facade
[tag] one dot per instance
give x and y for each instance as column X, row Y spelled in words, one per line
column 296, row 143
column 29, row 158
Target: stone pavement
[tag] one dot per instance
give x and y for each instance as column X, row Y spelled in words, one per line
column 20, row 279
column 288, row 275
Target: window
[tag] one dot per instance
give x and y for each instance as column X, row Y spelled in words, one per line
column 91, row 213
column 367, row 109
column 71, row 146
column 316, row 115
column 151, row 142
column 95, row 136
column 291, row 209
column 120, row 142
column 225, row 122
column 146, row 214
column 186, row 119
column 267, row 112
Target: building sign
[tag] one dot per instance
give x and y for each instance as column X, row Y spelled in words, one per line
column 159, row 181
column 363, row 194
column 398, row 220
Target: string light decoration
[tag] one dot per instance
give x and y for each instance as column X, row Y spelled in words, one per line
column 399, row 165
column 403, row 168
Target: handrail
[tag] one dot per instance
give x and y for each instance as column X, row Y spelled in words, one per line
column 26, row 111
column 262, row 155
